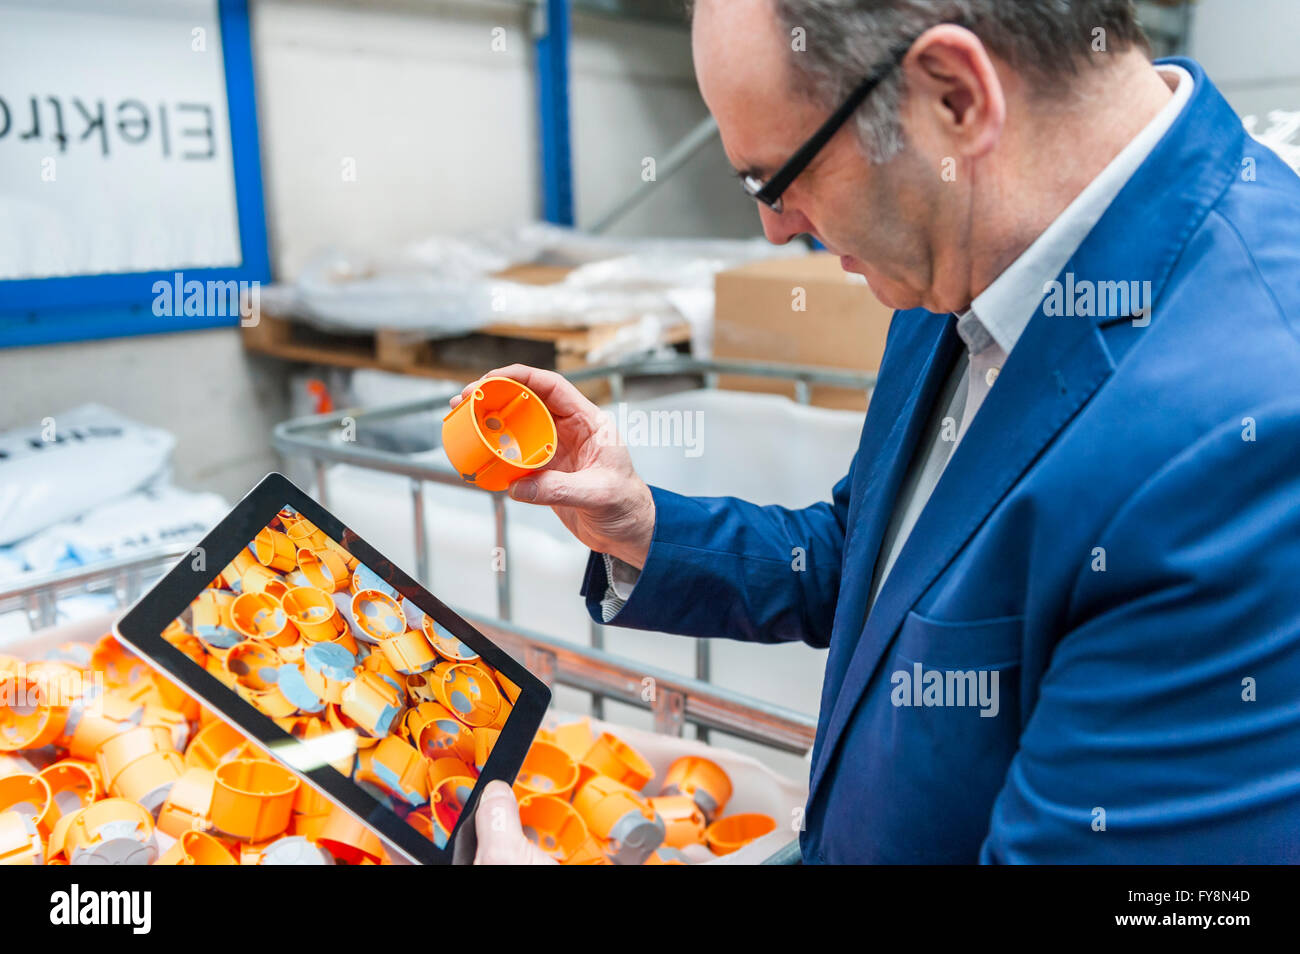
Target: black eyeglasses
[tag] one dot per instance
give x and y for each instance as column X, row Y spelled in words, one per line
column 769, row 192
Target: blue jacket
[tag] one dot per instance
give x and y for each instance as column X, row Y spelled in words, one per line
column 1117, row 537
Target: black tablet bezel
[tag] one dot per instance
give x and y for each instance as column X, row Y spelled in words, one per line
column 142, row 626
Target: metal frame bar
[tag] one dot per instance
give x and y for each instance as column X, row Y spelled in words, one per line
column 676, row 700
column 315, row 438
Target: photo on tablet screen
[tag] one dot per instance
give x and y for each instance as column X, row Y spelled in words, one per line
column 318, row 642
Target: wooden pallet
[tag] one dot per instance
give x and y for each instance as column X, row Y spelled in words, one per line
column 464, row 357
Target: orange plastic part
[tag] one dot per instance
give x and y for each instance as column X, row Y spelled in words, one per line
column 447, row 645
column 467, row 692
column 314, row 614
column 20, row 842
column 378, row 615
column 148, row 780
column 121, row 750
column 614, row 812
column 400, row 770
column 553, row 825
column 252, row 800
column 409, row 653
column 347, row 839
column 547, row 770
column 574, row 737
column 684, row 822
column 275, row 549
column 197, row 848
column 485, row 741
column 73, row 786
column 371, row 702
column 501, row 432
column 109, row 831
column 27, row 720
column 213, row 744
column 29, row 796
column 189, row 803
column 729, row 834
column 703, row 780
column 262, row 616
column 611, row 756
column 325, row 569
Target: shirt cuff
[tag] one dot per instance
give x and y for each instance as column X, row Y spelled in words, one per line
column 621, row 578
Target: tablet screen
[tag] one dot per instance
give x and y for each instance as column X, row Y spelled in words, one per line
column 367, row 683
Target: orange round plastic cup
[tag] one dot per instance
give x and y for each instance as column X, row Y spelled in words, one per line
column 262, row 579
column 612, row 756
column 304, row 533
column 446, row 645
column 485, row 740
column 552, row 824
column 378, row 615
column 27, row 720
column 109, row 831
column 121, row 750
column 438, row 734
column 703, row 780
column 683, row 820
column 148, row 780
column 274, row 549
column 197, row 848
column 448, row 800
column 409, row 653
column 261, row 616
column 324, row 569
column 467, row 692
column 501, row 432
column 448, row 767
column 20, row 842
column 401, row 770
column 189, row 803
column 29, row 796
column 213, row 744
column 314, row 614
column 253, row 800
column 72, row 787
column 348, row 840
column 547, row 770
column 735, row 831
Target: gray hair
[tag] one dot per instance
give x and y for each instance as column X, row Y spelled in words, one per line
column 844, row 40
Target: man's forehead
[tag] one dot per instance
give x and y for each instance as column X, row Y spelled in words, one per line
column 742, row 65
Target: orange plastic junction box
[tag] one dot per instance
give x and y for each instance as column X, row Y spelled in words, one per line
column 501, row 432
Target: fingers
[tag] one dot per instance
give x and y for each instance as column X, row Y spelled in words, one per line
column 556, row 391
column 501, row 838
column 557, row 488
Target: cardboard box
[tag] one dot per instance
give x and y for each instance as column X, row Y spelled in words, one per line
column 758, row 317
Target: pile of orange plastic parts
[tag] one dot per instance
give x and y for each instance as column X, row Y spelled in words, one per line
column 582, row 799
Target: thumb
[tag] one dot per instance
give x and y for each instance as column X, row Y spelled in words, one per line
column 556, row 487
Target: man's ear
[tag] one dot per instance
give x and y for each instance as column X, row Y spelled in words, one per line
column 951, row 78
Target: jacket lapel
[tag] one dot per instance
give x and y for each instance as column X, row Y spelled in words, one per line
column 921, row 351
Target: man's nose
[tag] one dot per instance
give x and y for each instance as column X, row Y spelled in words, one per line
column 781, row 227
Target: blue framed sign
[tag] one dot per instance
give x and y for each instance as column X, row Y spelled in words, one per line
column 130, row 172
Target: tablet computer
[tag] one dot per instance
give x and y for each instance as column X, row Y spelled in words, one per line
column 293, row 629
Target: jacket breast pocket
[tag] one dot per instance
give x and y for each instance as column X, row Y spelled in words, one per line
column 969, row 644
column 968, row 665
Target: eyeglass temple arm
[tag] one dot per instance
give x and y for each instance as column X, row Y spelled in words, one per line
column 787, row 173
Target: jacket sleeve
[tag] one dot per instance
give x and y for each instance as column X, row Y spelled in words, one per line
column 719, row 566
column 1167, row 728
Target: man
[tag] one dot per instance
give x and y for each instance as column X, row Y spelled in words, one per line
column 1058, row 585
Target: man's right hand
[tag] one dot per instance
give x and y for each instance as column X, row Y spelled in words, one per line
column 590, row 484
